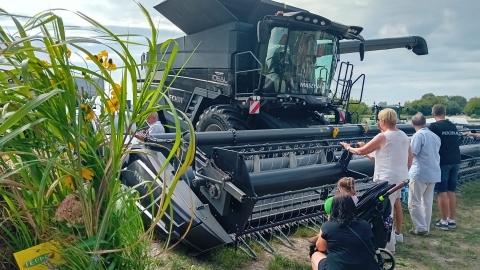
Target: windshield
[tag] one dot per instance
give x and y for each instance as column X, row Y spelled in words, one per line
column 300, row 62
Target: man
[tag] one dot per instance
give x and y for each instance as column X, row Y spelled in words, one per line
column 449, row 166
column 155, row 127
column 424, row 173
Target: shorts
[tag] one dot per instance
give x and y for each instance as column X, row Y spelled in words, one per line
column 322, row 264
column 449, row 178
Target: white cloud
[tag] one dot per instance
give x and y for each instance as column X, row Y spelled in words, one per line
column 388, row 30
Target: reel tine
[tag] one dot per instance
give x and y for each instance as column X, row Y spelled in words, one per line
column 283, row 238
column 246, row 248
column 264, row 243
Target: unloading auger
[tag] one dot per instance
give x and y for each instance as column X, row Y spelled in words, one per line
column 253, row 184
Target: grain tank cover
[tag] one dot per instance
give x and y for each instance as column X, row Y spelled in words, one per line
column 195, row 16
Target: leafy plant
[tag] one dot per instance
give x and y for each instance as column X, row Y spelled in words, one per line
column 60, row 168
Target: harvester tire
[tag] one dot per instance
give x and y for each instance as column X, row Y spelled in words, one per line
column 222, row 118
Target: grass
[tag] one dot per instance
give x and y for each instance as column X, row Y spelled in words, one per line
column 458, row 248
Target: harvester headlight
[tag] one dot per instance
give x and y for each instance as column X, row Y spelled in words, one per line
column 322, row 23
column 299, row 17
column 304, row 103
column 297, row 100
column 315, row 20
column 307, row 19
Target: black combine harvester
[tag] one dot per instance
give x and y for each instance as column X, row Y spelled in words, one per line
column 257, row 184
column 257, row 70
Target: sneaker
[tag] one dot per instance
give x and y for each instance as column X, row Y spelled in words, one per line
column 398, row 238
column 452, row 224
column 442, row 225
column 421, row 233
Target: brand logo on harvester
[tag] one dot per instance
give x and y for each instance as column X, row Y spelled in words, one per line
column 450, row 132
column 307, row 85
column 219, row 77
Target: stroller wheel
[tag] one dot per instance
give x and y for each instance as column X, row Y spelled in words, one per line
column 385, row 259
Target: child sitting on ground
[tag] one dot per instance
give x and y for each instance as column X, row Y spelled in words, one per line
column 346, row 185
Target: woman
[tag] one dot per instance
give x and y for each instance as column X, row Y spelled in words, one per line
column 348, row 241
column 393, row 158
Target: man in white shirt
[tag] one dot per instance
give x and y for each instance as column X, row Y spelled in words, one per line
column 155, row 127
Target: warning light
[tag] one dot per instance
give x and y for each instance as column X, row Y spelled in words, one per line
column 279, row 13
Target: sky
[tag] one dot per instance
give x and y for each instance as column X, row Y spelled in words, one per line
column 452, row 66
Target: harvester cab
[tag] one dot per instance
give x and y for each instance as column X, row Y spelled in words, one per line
column 298, row 53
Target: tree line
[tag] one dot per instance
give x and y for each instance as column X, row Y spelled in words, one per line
column 455, row 105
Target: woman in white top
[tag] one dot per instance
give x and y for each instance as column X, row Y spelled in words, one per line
column 393, row 158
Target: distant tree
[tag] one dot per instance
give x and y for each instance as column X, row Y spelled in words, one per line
column 382, row 104
column 453, row 108
column 461, row 101
column 472, row 107
column 359, row 110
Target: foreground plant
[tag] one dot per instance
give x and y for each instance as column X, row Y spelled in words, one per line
column 59, row 167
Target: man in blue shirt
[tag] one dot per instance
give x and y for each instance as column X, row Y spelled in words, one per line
column 424, row 173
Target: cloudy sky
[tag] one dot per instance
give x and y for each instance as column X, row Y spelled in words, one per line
column 452, row 66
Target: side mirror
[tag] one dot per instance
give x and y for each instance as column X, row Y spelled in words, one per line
column 263, row 32
column 361, row 49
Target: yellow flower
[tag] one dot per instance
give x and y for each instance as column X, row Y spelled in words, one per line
column 67, row 180
column 87, row 174
column 88, row 112
column 69, row 53
column 82, row 144
column 106, row 62
column 46, row 63
column 88, row 57
column 112, row 104
column 112, row 67
column 103, row 53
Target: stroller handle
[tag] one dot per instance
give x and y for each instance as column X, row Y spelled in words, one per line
column 396, row 187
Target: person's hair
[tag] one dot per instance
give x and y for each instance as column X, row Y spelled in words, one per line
column 343, row 209
column 419, row 120
column 389, row 116
column 347, row 184
column 153, row 114
column 439, row 110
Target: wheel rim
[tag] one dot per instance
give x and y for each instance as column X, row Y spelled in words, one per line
column 213, row 127
column 388, row 259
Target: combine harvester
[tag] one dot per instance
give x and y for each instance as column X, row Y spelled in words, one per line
column 256, row 176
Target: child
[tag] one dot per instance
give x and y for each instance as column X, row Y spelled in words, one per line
column 346, row 185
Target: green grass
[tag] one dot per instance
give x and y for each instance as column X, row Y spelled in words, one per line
column 281, row 262
column 457, row 248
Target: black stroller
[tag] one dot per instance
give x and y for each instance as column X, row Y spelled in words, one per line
column 374, row 207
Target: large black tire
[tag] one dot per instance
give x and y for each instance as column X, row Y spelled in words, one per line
column 222, row 118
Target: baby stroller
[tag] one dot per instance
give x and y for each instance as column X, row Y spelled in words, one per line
column 374, row 207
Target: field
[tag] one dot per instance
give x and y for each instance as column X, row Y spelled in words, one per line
column 458, row 248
